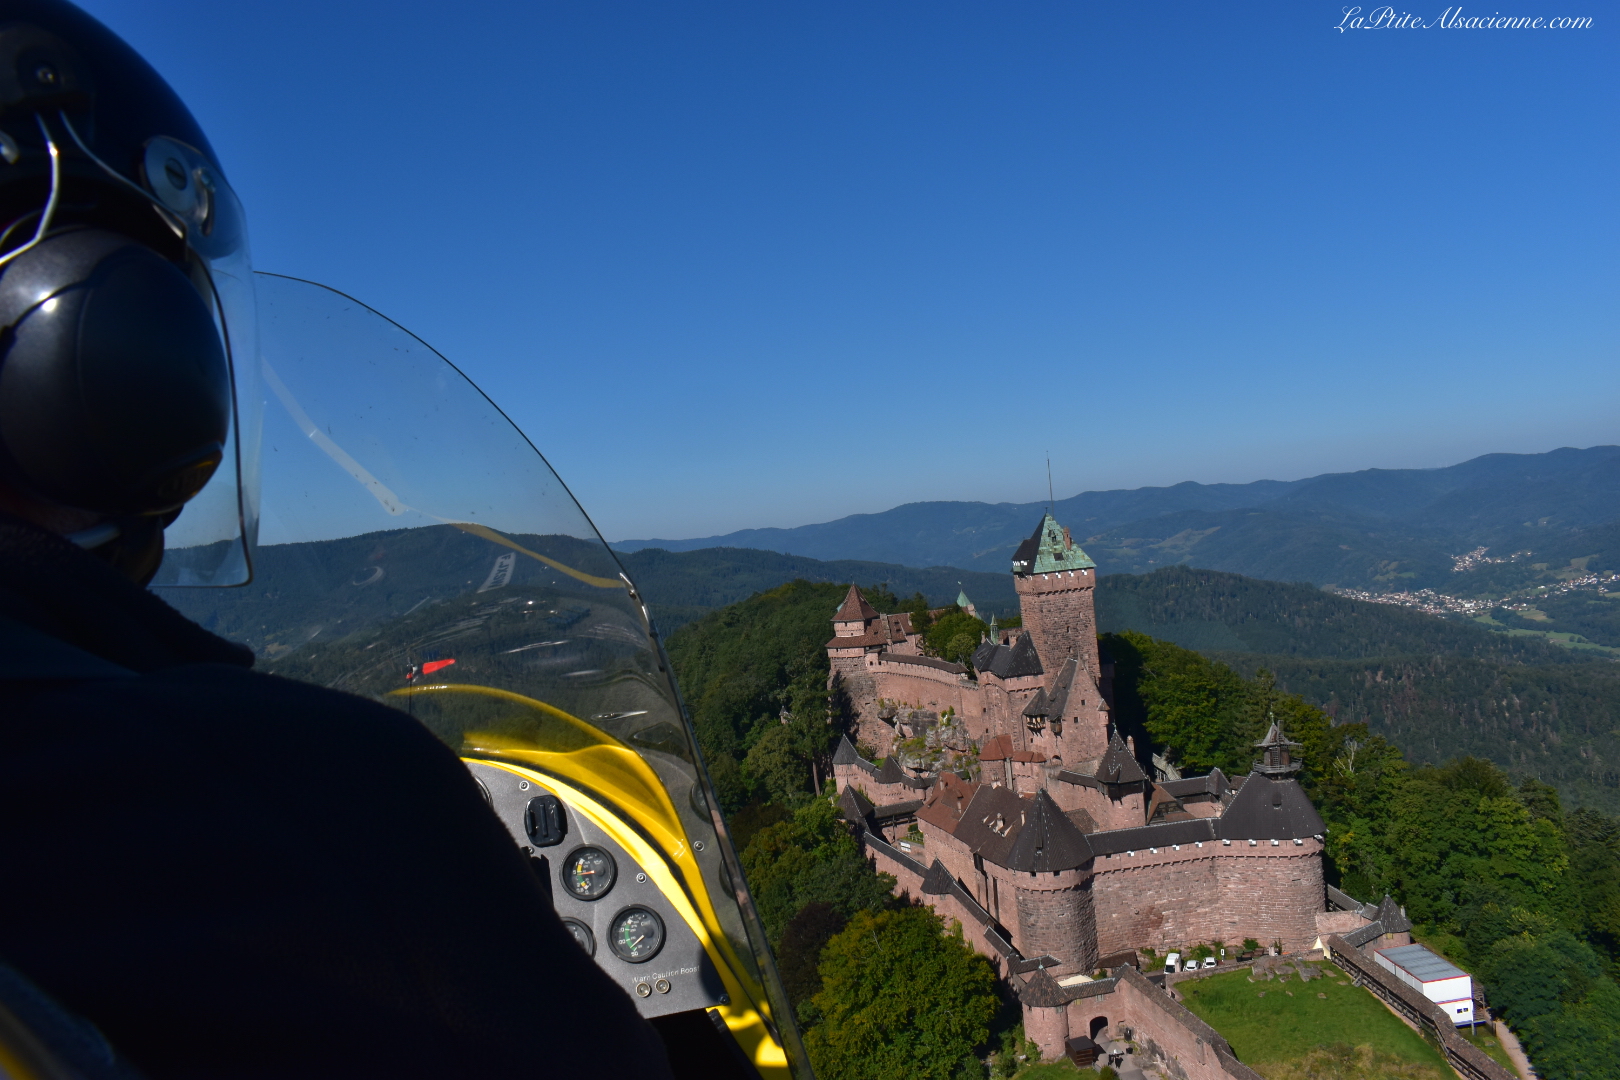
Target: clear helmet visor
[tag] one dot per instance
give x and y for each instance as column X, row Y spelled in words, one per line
column 415, row 548
column 211, row 543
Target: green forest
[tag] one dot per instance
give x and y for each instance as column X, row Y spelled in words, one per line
column 1436, row 688
column 1493, row 868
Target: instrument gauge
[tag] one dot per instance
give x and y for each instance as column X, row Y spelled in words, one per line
column 582, row 934
column 637, row 935
column 589, row 873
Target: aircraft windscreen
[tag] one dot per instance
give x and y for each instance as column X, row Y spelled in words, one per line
column 417, row 550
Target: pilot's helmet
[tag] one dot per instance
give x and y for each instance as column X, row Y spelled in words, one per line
column 125, row 288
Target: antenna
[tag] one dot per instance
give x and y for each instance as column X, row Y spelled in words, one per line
column 1050, row 498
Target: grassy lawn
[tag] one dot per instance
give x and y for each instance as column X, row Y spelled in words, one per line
column 1486, row 1040
column 1051, row 1070
column 1282, row 1020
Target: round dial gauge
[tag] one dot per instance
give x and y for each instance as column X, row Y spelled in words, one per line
column 582, row 934
column 589, row 873
column 637, row 935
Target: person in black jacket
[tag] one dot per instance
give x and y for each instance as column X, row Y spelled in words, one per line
column 228, row 873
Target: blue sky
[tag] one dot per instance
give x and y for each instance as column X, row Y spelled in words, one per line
column 739, row 265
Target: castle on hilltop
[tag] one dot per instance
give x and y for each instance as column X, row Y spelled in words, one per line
column 1062, row 855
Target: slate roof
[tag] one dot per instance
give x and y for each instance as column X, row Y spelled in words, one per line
column 853, row 805
column 1214, row 784
column 854, row 608
column 1393, row 918
column 1038, row 705
column 1049, row 550
column 1014, row 661
column 1162, row 835
column 938, row 880
column 1269, row 808
column 1047, row 841
column 1042, row 991
column 891, row 773
column 1061, row 687
column 846, row 754
column 1118, row 766
column 873, row 840
column 899, row 809
column 978, row 828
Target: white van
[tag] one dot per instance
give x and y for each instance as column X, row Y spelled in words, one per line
column 1172, row 963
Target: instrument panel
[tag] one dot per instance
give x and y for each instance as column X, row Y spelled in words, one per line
column 609, row 903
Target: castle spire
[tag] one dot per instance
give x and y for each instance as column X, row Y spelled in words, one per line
column 855, row 608
column 1277, row 759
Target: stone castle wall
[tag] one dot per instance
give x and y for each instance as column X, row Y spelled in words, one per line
column 1214, row 893
column 1183, row 1045
column 1059, row 922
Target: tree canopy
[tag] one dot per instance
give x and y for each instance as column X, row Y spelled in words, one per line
column 1493, row 872
column 900, row 1000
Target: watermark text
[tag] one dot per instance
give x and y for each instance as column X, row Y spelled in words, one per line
column 1453, row 18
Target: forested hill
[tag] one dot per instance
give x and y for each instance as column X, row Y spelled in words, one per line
column 1435, row 688
column 1375, row 529
column 684, row 585
column 1218, row 612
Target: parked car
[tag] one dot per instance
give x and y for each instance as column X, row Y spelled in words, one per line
column 1209, row 961
column 1172, row 963
column 1192, row 965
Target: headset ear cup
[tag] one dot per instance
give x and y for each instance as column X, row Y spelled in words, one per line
column 137, row 550
column 114, row 388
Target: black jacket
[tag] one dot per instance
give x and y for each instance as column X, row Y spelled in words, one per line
column 236, row 875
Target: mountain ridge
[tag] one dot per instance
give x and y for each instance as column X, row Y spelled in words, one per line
column 1400, row 528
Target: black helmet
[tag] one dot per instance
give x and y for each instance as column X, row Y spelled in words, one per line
column 124, row 277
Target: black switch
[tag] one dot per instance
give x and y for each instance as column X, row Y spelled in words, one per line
column 543, row 820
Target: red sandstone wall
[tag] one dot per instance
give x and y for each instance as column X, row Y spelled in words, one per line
column 1128, row 813
column 1059, row 612
column 1188, row 1048
column 1048, row 1029
column 1278, row 890
column 1174, row 899
column 1058, row 922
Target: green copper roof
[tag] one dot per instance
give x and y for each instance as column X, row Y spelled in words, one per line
column 1047, row 552
column 962, row 601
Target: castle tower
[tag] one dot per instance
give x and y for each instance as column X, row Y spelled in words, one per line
column 1055, row 581
column 1056, row 916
